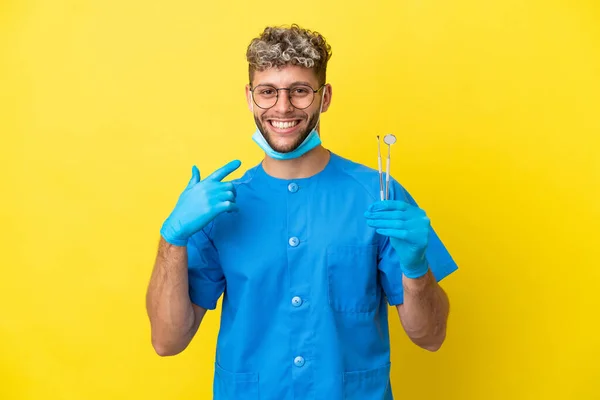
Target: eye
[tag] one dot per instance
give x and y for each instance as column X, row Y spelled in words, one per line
column 300, row 90
column 266, row 92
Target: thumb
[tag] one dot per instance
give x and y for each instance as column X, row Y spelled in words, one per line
column 195, row 177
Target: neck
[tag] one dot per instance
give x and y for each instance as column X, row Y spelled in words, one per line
column 305, row 166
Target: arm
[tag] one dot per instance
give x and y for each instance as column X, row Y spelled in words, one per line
column 407, row 275
column 424, row 314
column 174, row 320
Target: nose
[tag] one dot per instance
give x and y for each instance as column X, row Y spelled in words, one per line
column 283, row 105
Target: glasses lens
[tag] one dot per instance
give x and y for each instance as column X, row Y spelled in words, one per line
column 265, row 96
column 301, row 96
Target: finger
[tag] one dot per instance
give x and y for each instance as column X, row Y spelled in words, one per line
column 226, row 196
column 412, row 223
column 417, row 237
column 214, row 188
column 386, row 224
column 195, row 177
column 225, row 206
column 225, row 170
column 394, row 233
column 226, row 186
column 389, row 205
column 233, row 208
column 397, row 215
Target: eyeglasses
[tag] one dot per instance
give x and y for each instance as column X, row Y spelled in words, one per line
column 301, row 96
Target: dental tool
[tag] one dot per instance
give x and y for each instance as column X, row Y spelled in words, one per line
column 388, row 139
column 379, row 165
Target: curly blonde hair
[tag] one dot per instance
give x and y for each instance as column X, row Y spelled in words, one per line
column 280, row 46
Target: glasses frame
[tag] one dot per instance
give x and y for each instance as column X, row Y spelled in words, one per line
column 288, row 89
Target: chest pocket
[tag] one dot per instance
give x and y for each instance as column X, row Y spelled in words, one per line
column 352, row 278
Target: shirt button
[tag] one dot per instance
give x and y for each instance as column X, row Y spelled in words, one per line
column 296, row 301
column 293, row 187
column 294, row 241
column 299, row 361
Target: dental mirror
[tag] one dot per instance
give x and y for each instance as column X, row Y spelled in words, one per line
column 389, row 139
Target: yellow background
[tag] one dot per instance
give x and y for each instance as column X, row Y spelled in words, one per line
column 105, row 105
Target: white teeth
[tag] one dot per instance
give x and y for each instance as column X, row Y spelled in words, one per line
column 284, row 125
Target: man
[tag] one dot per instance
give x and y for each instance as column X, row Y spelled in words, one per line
column 305, row 253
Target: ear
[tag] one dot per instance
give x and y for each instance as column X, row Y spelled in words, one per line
column 249, row 98
column 327, row 93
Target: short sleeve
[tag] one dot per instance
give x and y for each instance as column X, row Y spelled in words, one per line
column 440, row 261
column 205, row 276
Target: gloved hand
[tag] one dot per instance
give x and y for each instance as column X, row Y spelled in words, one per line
column 408, row 229
column 200, row 203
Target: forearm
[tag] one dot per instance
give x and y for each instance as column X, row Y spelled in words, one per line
column 172, row 318
column 425, row 311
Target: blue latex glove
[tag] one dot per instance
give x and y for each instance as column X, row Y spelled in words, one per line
column 200, row 203
column 408, row 229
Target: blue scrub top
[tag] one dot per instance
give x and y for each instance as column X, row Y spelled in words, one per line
column 306, row 285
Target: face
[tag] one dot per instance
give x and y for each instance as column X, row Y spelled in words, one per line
column 284, row 126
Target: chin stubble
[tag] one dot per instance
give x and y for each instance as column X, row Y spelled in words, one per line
column 294, row 145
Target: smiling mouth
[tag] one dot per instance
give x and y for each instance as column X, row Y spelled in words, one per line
column 286, row 126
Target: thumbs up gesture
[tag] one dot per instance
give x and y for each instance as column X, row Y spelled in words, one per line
column 199, row 203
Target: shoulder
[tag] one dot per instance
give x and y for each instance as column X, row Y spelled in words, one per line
column 352, row 167
column 361, row 174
